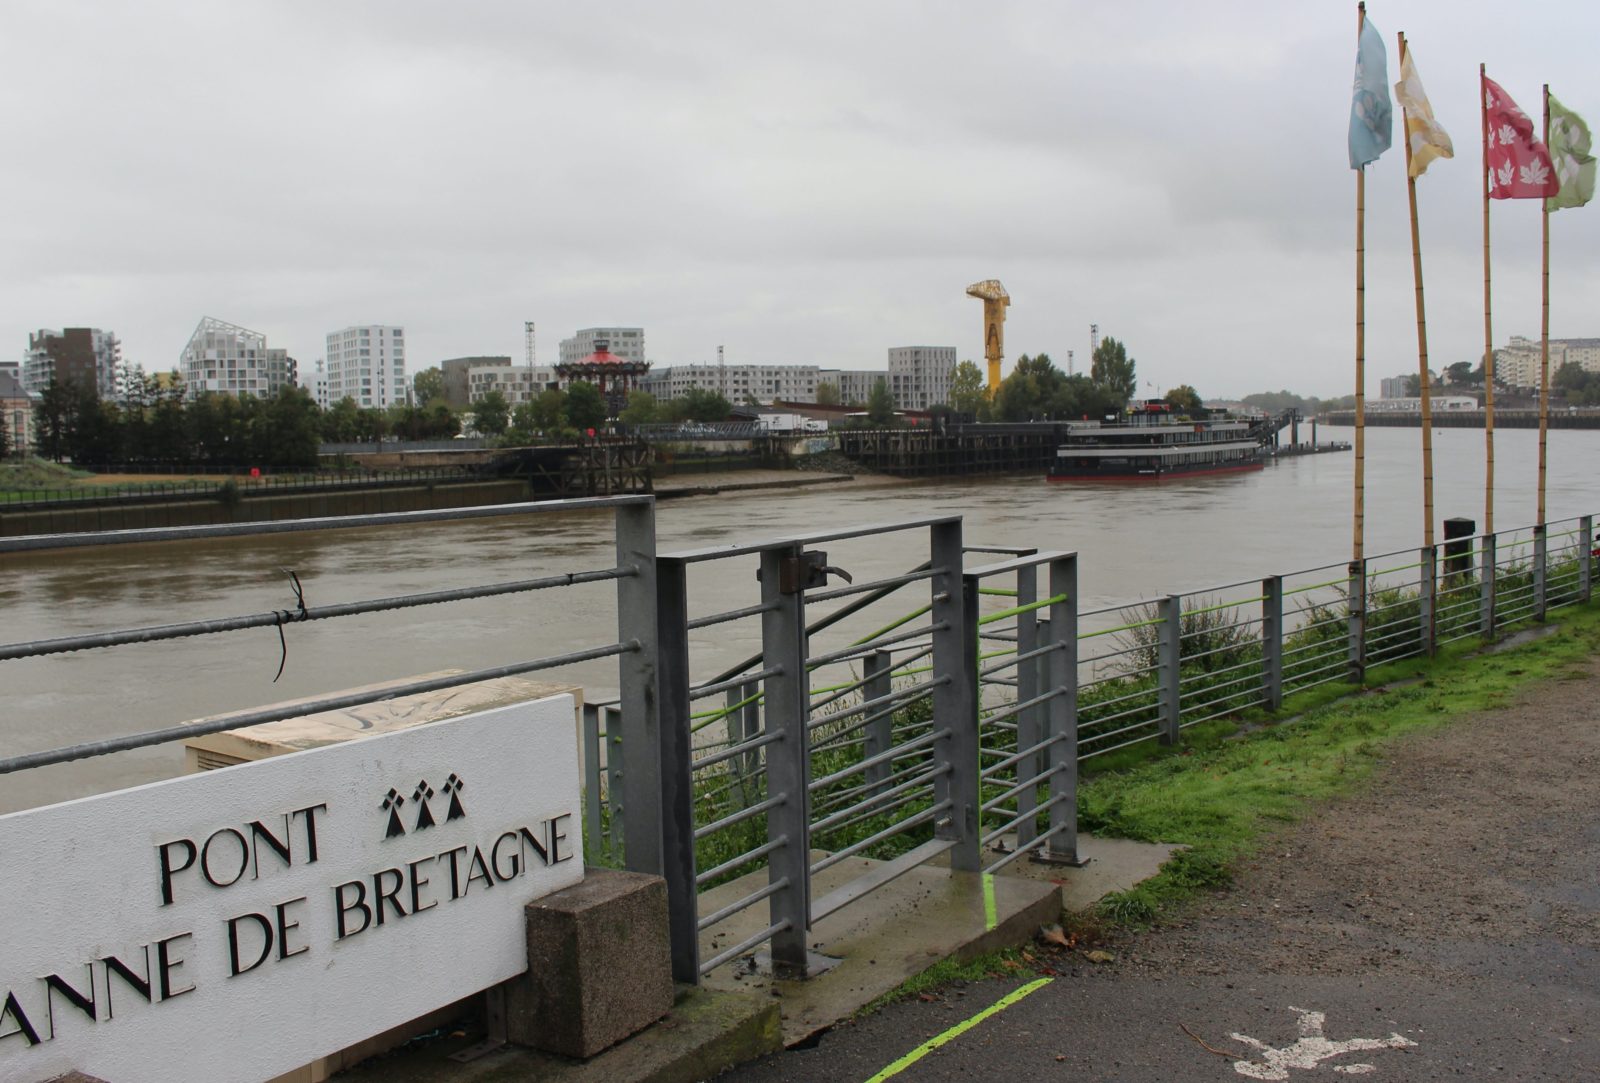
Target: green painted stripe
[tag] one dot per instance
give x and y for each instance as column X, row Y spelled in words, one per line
column 989, row 918
column 958, row 1030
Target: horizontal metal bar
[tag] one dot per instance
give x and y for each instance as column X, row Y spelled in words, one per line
column 246, row 719
column 1017, row 757
column 743, row 946
column 1037, row 842
column 889, row 832
column 732, row 751
column 749, row 900
column 882, row 757
column 876, row 584
column 1115, row 748
column 827, row 823
column 1017, row 788
column 1017, row 708
column 745, row 858
column 28, row 542
column 747, row 813
column 860, row 650
column 719, row 552
column 1016, row 564
column 730, row 615
column 155, row 633
column 876, row 877
column 997, row 832
column 705, row 690
column 1085, row 740
column 893, row 699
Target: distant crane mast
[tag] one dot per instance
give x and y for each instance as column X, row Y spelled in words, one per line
column 527, row 335
column 722, row 373
column 995, row 302
column 1094, row 338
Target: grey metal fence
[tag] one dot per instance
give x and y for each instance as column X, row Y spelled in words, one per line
column 938, row 708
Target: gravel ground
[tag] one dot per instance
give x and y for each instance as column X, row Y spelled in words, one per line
column 1451, row 909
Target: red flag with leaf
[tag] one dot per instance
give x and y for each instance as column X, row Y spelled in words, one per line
column 1519, row 165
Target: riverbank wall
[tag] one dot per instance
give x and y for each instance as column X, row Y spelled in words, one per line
column 1468, row 419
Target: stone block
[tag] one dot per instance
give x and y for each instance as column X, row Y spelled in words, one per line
column 599, row 965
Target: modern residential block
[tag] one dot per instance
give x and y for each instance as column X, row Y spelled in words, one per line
column 226, row 358
column 367, row 364
column 86, row 356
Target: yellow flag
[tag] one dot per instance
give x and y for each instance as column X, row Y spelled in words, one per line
column 1427, row 140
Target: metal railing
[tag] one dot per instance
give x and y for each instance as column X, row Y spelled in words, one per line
column 861, row 729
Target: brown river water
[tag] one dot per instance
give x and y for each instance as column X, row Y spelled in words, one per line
column 1133, row 542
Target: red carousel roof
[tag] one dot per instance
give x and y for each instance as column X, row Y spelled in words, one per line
column 603, row 357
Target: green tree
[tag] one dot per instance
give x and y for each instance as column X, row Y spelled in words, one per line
column 1461, row 374
column 642, row 409
column 827, row 393
column 880, row 404
column 550, row 411
column 341, row 422
column 440, row 422
column 1030, row 391
column 1414, row 385
column 1114, row 370
column 702, row 405
column 523, row 430
column 427, row 386
column 968, row 395
column 289, row 431
column 54, row 419
column 585, row 408
column 491, row 414
column 1184, row 399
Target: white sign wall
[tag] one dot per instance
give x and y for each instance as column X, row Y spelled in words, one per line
column 237, row 924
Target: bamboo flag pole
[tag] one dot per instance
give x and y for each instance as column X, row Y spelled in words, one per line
column 1422, row 332
column 1361, row 340
column 1544, row 331
column 1488, row 327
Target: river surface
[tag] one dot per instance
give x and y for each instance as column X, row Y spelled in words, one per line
column 1133, row 542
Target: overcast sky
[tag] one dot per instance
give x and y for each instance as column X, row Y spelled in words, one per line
column 802, row 183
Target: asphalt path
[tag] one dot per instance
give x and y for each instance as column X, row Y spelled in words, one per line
column 1444, row 923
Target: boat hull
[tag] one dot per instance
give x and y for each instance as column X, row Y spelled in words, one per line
column 1164, row 473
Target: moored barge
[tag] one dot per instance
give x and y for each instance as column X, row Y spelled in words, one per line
column 1153, row 443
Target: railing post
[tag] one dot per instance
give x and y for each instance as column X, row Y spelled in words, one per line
column 1061, row 712
column 1487, row 587
column 1272, row 642
column 1170, row 675
column 672, row 773
column 788, row 708
column 880, row 730
column 640, row 698
column 1540, row 568
column 740, row 727
column 1029, row 729
column 593, row 832
column 611, row 735
column 1586, row 545
column 1428, row 601
column 1356, row 596
column 955, row 699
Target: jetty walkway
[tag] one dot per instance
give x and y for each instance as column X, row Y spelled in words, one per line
column 1441, row 924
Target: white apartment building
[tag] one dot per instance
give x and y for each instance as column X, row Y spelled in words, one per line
column 736, row 383
column 919, row 376
column 518, row 383
column 1517, row 363
column 86, row 356
column 855, row 385
column 317, row 384
column 229, row 359
column 367, row 364
column 626, row 342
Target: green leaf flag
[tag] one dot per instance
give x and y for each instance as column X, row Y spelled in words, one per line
column 1569, row 151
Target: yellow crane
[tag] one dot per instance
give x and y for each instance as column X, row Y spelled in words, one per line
column 995, row 302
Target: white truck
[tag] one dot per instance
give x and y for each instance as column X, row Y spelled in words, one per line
column 790, row 424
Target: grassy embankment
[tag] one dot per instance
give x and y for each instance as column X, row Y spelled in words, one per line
column 37, row 479
column 1225, row 792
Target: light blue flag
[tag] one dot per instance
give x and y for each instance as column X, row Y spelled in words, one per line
column 1371, row 115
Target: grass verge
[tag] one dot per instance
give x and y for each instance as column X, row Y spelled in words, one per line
column 1222, row 795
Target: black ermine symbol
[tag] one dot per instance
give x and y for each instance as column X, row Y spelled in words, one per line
column 422, row 795
column 453, row 786
column 391, row 804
